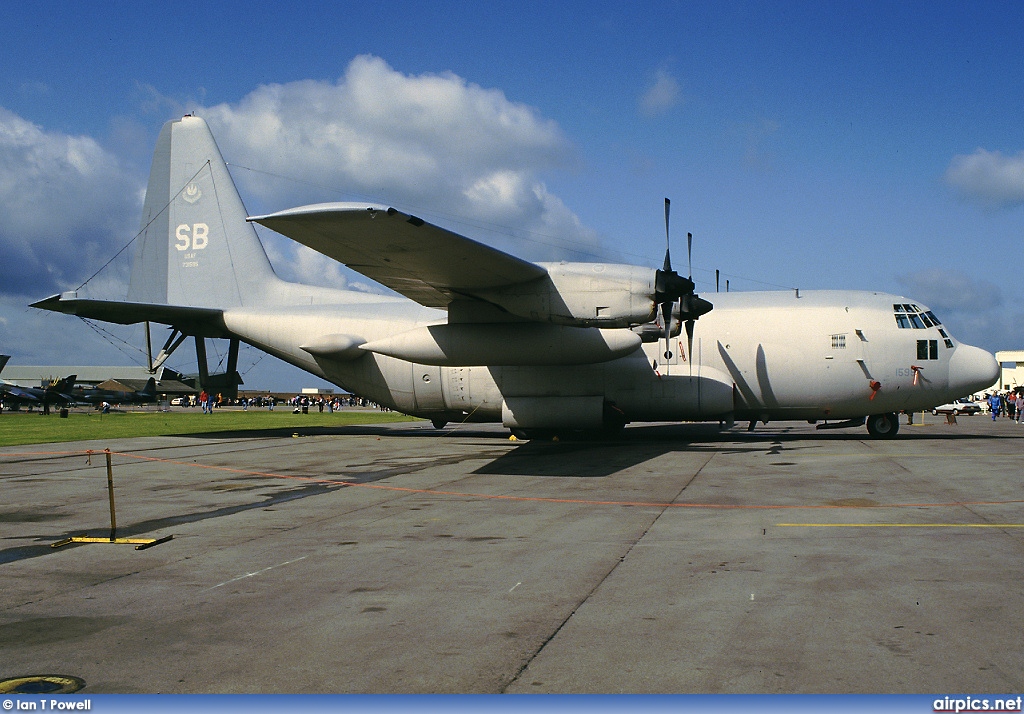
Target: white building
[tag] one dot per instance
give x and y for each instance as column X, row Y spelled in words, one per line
column 1011, row 369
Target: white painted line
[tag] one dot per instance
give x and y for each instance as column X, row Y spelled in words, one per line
column 249, row 575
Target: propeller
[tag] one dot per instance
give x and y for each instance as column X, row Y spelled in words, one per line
column 669, row 286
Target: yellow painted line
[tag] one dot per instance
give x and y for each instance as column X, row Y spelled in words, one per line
column 900, row 525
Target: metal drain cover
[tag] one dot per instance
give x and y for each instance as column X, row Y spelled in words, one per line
column 41, row 684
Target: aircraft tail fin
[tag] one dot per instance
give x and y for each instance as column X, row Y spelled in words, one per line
column 62, row 385
column 150, row 389
column 195, row 248
column 3, row 361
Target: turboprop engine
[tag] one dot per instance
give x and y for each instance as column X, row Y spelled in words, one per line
column 582, row 295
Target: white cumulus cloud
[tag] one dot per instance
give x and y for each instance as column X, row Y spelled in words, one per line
column 66, row 205
column 660, row 96
column 458, row 154
column 973, row 310
column 429, row 143
column 989, row 177
column 953, row 291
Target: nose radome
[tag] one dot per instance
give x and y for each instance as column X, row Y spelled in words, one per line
column 972, row 369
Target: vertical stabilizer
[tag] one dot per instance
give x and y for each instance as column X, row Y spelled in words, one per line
column 195, row 248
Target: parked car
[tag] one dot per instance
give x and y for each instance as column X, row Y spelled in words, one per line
column 957, row 407
column 179, row 402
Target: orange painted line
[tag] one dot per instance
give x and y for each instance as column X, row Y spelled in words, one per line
column 503, row 497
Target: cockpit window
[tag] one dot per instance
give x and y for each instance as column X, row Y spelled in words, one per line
column 910, row 316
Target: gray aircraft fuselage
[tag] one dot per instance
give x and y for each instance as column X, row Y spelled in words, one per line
column 822, row 355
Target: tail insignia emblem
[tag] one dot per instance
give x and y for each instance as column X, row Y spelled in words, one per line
column 191, row 194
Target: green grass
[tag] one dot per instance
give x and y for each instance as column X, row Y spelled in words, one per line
column 17, row 428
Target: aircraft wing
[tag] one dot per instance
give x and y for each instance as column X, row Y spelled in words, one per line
column 14, row 392
column 424, row 262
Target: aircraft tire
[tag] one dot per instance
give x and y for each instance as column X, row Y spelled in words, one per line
column 883, row 426
column 439, row 423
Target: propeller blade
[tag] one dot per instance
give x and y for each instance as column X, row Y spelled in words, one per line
column 668, row 205
column 668, row 260
column 689, row 253
column 689, row 342
column 666, row 317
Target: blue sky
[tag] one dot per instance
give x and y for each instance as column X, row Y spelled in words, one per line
column 852, row 145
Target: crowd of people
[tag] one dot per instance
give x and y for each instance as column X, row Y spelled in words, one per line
column 301, row 403
column 304, row 402
column 1008, row 404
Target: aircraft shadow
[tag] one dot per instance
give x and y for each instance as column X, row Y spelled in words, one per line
column 574, row 459
column 284, row 432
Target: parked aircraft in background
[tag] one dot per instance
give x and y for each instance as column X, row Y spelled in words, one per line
column 95, row 395
column 57, row 392
column 540, row 347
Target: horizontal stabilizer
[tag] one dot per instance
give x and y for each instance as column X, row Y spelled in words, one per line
column 204, row 321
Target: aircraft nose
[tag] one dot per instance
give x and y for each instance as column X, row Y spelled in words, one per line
column 972, row 369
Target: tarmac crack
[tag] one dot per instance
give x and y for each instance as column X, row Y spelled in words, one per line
column 615, row 564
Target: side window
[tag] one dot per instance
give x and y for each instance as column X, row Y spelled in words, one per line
column 927, row 349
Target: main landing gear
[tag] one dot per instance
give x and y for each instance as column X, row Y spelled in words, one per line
column 883, row 426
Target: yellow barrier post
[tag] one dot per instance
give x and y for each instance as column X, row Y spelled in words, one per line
column 110, row 493
column 139, row 543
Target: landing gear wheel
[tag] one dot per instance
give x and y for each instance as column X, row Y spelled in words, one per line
column 439, row 423
column 614, row 421
column 883, row 426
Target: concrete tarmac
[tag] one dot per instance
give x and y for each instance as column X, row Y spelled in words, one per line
column 402, row 559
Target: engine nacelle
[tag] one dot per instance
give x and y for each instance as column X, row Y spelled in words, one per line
column 582, row 295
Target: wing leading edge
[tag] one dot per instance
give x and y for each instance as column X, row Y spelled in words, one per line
column 424, row 262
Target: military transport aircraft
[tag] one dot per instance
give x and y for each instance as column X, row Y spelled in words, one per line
column 540, row 347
